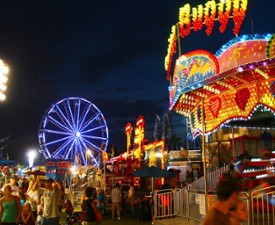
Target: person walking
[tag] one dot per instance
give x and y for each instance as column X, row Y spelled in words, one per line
column 131, row 197
column 10, row 207
column 227, row 196
column 116, row 197
column 51, row 196
column 90, row 207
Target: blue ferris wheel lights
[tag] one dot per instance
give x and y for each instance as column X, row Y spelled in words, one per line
column 70, row 127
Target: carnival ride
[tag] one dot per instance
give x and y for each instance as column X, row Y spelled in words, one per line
column 235, row 87
column 73, row 129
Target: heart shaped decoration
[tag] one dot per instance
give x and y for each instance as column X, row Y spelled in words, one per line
column 215, row 105
column 242, row 96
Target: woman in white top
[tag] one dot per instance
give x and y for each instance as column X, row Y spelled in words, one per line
column 32, row 196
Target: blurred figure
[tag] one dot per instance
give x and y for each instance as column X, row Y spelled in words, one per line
column 27, row 215
column 227, row 195
column 10, row 207
column 131, row 197
column 232, row 172
column 69, row 210
column 265, row 154
column 24, row 186
column 116, row 196
column 182, row 185
column 14, row 186
column 40, row 207
column 239, row 213
column 260, row 189
column 89, row 206
column 32, row 196
column 101, row 201
column 51, row 195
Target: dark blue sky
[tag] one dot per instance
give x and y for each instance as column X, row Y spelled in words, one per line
column 108, row 52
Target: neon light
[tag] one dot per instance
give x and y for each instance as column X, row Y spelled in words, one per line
column 206, row 15
column 184, row 20
column 239, row 10
column 209, row 12
column 197, row 17
column 209, row 16
column 224, row 16
column 171, row 50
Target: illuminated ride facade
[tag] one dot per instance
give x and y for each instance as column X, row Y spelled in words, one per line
column 233, row 84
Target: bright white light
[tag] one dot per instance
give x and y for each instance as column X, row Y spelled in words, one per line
column 4, row 69
column 73, row 169
column 78, row 134
column 158, row 154
column 31, row 156
column 3, row 87
column 89, row 152
column 2, row 96
column 240, row 69
column 3, row 79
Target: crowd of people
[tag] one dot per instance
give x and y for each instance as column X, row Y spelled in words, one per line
column 40, row 202
column 31, row 202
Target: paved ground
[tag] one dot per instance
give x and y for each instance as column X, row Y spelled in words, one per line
column 134, row 220
column 126, row 220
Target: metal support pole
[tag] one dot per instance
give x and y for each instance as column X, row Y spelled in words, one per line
column 233, row 144
column 204, row 156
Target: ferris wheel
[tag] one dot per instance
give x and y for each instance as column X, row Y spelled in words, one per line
column 73, row 129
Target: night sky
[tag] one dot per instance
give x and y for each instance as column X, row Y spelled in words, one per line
column 108, row 52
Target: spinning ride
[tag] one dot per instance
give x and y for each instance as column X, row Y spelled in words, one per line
column 73, row 129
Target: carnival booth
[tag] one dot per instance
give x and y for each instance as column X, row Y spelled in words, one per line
column 58, row 169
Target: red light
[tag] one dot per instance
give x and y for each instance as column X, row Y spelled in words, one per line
column 159, row 182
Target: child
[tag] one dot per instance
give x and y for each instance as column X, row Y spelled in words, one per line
column 40, row 211
column 27, row 215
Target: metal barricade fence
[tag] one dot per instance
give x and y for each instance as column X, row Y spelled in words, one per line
column 195, row 205
column 190, row 204
column 181, row 202
column 164, row 204
column 262, row 206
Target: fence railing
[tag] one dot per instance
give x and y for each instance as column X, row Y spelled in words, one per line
column 190, row 205
column 212, row 178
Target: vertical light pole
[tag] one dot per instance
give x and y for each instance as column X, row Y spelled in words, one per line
column 31, row 156
column 4, row 70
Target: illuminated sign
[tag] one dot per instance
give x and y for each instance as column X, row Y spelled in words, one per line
column 195, row 18
column 207, row 16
